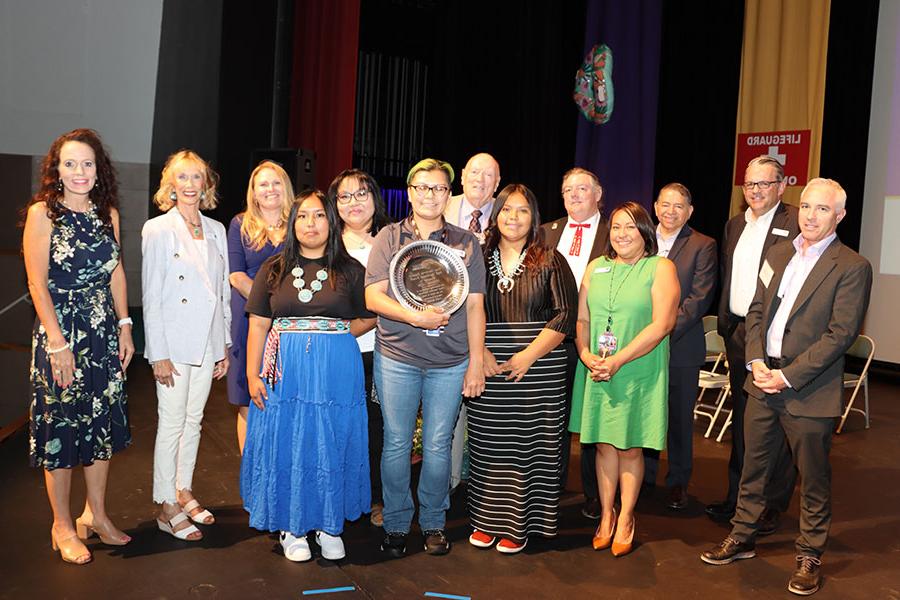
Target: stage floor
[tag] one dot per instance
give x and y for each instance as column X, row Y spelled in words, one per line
column 234, row 561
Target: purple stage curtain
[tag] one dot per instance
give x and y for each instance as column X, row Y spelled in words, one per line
column 621, row 151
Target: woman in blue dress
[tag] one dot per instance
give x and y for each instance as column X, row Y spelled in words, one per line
column 305, row 465
column 253, row 236
column 82, row 335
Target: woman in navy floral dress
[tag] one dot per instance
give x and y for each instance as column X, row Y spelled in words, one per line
column 82, row 335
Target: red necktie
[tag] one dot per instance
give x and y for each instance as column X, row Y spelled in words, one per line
column 475, row 224
column 575, row 248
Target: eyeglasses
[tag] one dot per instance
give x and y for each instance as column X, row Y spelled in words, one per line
column 347, row 197
column 436, row 190
column 762, row 185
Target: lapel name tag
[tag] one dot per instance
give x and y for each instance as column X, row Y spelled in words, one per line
column 602, row 270
column 765, row 273
column 781, row 232
column 461, row 252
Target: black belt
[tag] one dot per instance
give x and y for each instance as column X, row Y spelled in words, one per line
column 774, row 363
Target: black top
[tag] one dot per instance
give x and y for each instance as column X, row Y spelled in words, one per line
column 347, row 300
column 545, row 294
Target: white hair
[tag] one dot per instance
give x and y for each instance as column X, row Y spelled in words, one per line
column 840, row 195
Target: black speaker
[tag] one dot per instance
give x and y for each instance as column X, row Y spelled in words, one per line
column 300, row 164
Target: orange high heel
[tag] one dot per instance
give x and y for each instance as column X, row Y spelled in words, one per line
column 623, row 548
column 86, row 530
column 601, row 542
column 71, row 549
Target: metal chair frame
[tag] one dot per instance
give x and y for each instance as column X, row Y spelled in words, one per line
column 862, row 348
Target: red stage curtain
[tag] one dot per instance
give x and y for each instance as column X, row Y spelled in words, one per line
column 323, row 85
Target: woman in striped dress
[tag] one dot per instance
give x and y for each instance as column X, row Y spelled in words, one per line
column 516, row 426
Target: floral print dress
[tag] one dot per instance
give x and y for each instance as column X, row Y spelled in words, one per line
column 87, row 421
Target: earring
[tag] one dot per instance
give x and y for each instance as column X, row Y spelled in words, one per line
column 59, row 186
column 97, row 185
column 173, row 196
column 203, row 195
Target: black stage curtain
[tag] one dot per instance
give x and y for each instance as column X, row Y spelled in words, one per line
column 501, row 81
column 245, row 97
column 848, row 99
column 699, row 78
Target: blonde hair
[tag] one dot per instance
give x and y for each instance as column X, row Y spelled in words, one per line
column 430, row 164
column 163, row 196
column 253, row 227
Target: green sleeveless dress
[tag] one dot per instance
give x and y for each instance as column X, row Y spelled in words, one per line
column 630, row 410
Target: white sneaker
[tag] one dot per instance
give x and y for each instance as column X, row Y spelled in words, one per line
column 296, row 549
column 332, row 545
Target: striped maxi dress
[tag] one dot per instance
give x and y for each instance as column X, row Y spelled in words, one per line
column 516, row 428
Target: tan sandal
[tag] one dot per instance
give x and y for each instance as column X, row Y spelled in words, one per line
column 86, row 530
column 71, row 549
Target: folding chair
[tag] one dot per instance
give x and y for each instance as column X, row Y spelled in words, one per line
column 711, row 380
column 862, row 348
column 710, row 323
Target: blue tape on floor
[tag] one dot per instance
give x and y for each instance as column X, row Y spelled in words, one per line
column 450, row 596
column 348, row 588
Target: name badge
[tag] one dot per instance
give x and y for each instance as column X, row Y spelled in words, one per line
column 781, row 232
column 765, row 273
column 602, row 269
column 462, row 253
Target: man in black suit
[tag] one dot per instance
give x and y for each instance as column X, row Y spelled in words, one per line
column 580, row 237
column 748, row 236
column 694, row 255
column 808, row 309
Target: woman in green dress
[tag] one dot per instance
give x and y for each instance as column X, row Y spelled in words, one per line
column 626, row 308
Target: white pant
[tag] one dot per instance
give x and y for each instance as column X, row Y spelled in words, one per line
column 180, row 410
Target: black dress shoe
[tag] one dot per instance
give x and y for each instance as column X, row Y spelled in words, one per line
column 394, row 544
column 807, row 578
column 591, row 508
column 720, row 511
column 768, row 522
column 677, row 498
column 436, row 543
column 728, row 551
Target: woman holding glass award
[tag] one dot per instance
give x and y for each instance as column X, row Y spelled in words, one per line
column 626, row 308
column 427, row 355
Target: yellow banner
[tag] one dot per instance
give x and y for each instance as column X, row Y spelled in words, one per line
column 783, row 80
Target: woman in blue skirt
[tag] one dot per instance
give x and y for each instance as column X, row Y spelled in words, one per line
column 305, row 465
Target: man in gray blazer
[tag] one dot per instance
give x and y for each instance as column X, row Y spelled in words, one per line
column 471, row 210
column 694, row 255
column 809, row 307
column 748, row 236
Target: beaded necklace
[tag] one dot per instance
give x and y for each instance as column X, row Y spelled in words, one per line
column 306, row 294
column 505, row 281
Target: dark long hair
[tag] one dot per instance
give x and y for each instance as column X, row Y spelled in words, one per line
column 538, row 255
column 105, row 194
column 380, row 218
column 337, row 260
column 644, row 224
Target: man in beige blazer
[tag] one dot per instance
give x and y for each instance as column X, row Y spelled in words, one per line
column 810, row 302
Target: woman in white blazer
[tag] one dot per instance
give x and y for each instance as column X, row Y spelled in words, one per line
column 187, row 322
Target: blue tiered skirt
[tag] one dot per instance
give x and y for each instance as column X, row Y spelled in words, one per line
column 306, row 463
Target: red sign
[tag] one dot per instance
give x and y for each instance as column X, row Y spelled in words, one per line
column 790, row 148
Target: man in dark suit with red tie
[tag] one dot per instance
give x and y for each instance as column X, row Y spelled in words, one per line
column 808, row 309
column 767, row 222
column 580, row 237
column 694, row 255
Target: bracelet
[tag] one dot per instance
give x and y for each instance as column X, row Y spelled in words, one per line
column 56, row 350
column 125, row 321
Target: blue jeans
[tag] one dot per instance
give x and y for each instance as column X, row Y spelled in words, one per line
column 400, row 389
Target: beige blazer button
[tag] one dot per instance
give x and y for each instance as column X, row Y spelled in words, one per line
column 184, row 300
column 181, row 278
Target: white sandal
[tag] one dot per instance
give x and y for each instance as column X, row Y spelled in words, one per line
column 181, row 534
column 201, row 516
